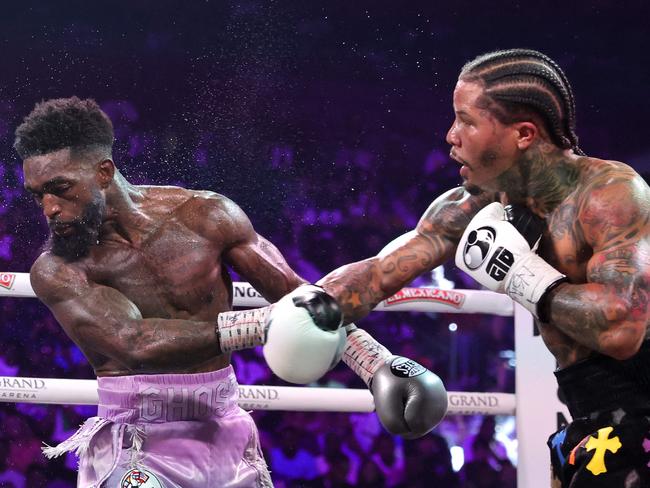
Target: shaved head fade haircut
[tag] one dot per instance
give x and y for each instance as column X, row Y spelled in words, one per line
column 60, row 123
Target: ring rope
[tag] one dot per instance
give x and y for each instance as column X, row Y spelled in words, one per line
column 260, row 397
column 405, row 300
column 253, row 397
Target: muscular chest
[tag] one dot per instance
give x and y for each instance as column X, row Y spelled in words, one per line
column 563, row 244
column 174, row 273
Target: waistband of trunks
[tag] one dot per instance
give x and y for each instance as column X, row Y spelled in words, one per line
column 601, row 383
column 156, row 398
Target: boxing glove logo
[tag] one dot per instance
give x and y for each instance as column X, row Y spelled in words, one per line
column 477, row 247
column 406, row 368
column 500, row 264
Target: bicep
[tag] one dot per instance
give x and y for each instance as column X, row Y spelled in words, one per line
column 262, row 264
column 248, row 253
column 624, row 271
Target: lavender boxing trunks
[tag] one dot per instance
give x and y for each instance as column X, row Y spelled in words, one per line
column 168, row 431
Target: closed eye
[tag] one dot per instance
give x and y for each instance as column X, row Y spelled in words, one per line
column 60, row 190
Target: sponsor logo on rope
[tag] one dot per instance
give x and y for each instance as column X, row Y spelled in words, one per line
column 20, row 388
column 473, row 402
column 7, row 280
column 257, row 397
column 448, row 297
column 140, row 478
column 245, row 291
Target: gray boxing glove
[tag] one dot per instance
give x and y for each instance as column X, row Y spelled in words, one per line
column 409, row 399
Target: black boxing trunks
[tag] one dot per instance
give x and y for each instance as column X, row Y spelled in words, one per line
column 608, row 442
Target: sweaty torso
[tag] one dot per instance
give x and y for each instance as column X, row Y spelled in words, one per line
column 172, row 273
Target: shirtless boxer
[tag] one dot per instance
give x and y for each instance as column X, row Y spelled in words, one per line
column 138, row 277
column 587, row 280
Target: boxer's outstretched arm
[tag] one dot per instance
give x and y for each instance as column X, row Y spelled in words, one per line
column 101, row 319
column 360, row 286
column 610, row 313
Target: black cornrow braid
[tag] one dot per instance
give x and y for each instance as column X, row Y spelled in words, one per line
column 539, row 103
column 523, row 77
column 534, row 90
column 565, row 84
column 495, row 74
column 517, row 56
column 565, row 87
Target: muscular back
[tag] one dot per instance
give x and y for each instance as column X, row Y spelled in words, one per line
column 162, row 286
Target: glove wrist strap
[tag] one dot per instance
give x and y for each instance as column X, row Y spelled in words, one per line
column 364, row 355
column 529, row 278
column 242, row 329
column 544, row 304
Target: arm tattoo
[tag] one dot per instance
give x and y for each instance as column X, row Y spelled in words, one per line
column 614, row 304
column 359, row 287
column 609, row 313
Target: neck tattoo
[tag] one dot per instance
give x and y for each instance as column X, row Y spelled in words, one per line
column 543, row 174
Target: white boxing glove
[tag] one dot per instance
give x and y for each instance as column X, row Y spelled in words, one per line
column 301, row 333
column 497, row 249
column 304, row 337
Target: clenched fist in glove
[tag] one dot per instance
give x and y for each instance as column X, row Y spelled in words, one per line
column 409, row 399
column 498, row 250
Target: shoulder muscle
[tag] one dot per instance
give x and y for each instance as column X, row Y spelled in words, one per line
column 615, row 208
column 217, row 218
column 54, row 281
column 450, row 213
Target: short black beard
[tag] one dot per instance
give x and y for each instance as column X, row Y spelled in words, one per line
column 85, row 233
column 488, row 157
column 472, row 189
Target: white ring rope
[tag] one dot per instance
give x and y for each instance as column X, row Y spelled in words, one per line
column 259, row 397
column 405, row 300
column 253, row 397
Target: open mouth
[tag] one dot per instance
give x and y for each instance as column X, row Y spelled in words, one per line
column 465, row 168
column 457, row 159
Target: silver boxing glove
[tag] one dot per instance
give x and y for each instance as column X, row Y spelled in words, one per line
column 409, row 399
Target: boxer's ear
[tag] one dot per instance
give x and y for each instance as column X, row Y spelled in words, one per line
column 105, row 173
column 525, row 133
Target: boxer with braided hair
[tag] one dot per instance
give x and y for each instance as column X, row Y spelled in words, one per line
column 564, row 234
